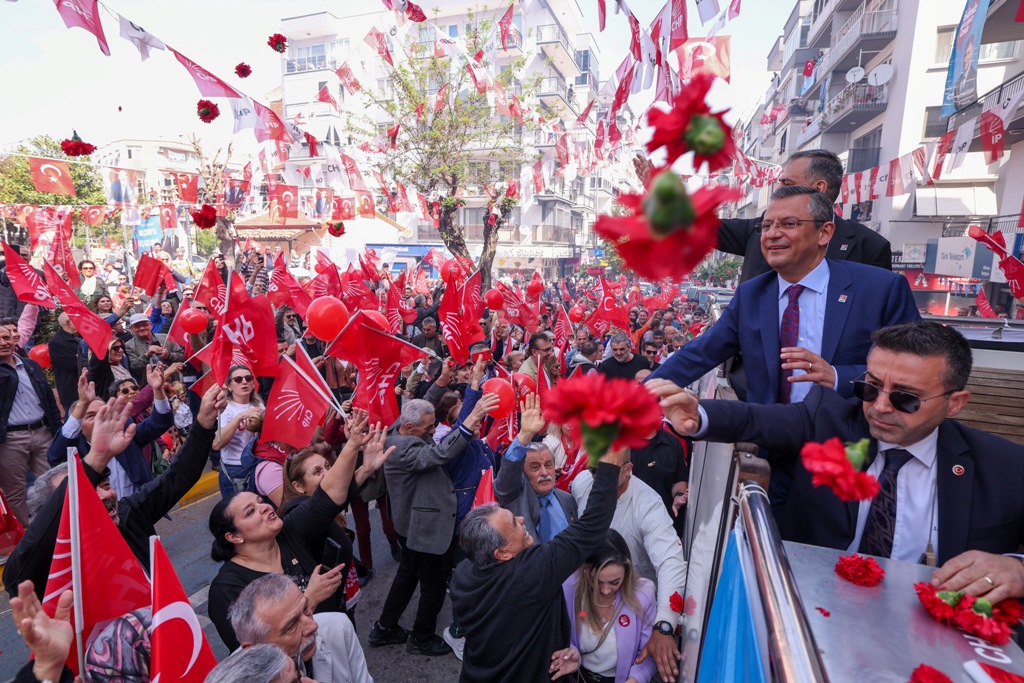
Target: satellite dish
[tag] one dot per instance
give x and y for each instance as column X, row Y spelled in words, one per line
column 880, row 75
column 854, row 75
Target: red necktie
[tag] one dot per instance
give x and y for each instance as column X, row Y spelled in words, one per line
column 789, row 335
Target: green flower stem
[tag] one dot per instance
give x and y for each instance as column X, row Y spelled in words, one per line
column 597, row 440
column 857, row 453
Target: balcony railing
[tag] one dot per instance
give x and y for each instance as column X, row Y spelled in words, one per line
column 855, row 96
column 553, row 85
column 553, row 33
column 986, row 102
column 311, row 64
column 553, row 233
column 810, row 131
column 860, row 23
column 863, row 159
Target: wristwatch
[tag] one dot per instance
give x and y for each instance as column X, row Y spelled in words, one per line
column 664, row 628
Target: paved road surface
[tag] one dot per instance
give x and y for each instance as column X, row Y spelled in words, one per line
column 187, row 540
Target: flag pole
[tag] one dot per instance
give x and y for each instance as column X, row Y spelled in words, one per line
column 76, row 556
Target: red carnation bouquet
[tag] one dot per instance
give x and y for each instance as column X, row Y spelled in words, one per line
column 860, row 570
column 75, row 147
column 205, row 217
column 977, row 616
column 207, row 110
column 667, row 231
column 335, row 229
column 928, row 674
column 278, row 42
column 605, row 413
column 837, row 466
column 243, row 70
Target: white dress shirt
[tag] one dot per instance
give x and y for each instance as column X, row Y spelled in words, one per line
column 812, row 318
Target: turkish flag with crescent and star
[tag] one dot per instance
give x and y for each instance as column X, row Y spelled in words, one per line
column 188, row 187
column 208, row 84
column 93, row 215
column 295, row 407
column 28, row 286
column 179, row 650
column 94, row 330
column 52, row 175
column 109, row 580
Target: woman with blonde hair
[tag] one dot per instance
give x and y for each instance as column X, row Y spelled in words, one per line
column 612, row 611
column 232, row 436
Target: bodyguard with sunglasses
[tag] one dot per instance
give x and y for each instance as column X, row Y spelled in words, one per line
column 950, row 494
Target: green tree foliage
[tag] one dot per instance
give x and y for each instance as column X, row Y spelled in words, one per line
column 16, row 185
column 464, row 145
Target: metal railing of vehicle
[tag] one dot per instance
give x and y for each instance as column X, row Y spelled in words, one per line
column 794, row 652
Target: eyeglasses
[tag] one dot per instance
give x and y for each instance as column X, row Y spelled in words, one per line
column 291, row 317
column 127, row 389
column 241, row 378
column 650, row 352
column 117, row 347
column 786, row 224
column 903, row 401
column 85, row 268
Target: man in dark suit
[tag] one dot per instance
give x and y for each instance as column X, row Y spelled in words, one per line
column 957, row 490
column 851, row 241
column 526, row 481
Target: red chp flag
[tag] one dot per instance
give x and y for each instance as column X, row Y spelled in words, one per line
column 178, row 647
column 348, row 79
column 246, row 331
column 25, row 281
column 107, row 578
column 94, row 329
column 84, row 14
column 324, row 95
column 212, row 291
column 984, row 307
column 62, row 260
column 44, row 223
column 677, row 25
column 379, row 42
column 149, row 274
column 51, row 175
column 295, row 407
column 505, row 24
column 208, row 84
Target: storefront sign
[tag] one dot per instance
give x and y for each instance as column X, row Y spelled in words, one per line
column 959, row 257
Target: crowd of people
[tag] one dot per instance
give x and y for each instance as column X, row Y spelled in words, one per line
column 584, row 568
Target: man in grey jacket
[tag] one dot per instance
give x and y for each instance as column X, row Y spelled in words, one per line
column 525, row 485
column 423, row 508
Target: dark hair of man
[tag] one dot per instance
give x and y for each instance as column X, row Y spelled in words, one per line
column 927, row 338
column 537, row 337
column 818, row 205
column 650, row 345
column 825, row 166
column 588, row 348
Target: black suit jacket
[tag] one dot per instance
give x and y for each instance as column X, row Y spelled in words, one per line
column 850, row 242
column 980, row 509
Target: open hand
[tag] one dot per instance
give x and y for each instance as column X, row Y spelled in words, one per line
column 678, row 404
column 564, row 662
column 995, row 577
column 86, row 389
column 215, row 400
column 109, row 435
column 50, row 639
column 374, row 454
column 531, row 423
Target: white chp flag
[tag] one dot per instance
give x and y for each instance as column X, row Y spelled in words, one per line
column 244, row 113
column 708, row 10
column 961, row 145
column 139, row 37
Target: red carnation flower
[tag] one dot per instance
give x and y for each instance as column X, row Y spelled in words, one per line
column 278, row 42
column 928, row 674
column 834, row 465
column 975, row 615
column 824, row 612
column 691, row 126
column 607, row 413
column 335, row 229
column 207, row 110
column 675, row 602
column 1008, row 611
column 860, row 570
column 941, row 605
column 243, row 70
column 670, row 251
column 74, row 147
column 205, row 217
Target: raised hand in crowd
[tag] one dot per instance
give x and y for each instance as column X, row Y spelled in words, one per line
column 643, row 167
column 355, row 426
column 532, row 422
column 49, row 638
column 374, row 454
column 86, row 395
column 155, row 379
column 485, row 405
column 172, row 370
column 447, row 373
column 110, row 436
column 323, row 585
column 479, row 372
column 215, row 400
column 678, row 404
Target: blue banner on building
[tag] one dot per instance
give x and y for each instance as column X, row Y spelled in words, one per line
column 147, row 233
column 962, row 77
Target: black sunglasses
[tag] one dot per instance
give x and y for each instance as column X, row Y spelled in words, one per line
column 117, row 347
column 241, row 378
column 125, row 390
column 903, row 401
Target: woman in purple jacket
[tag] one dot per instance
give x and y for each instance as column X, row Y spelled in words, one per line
column 612, row 610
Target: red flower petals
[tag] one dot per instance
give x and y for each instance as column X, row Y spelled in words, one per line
column 859, row 570
column 243, row 70
column 691, row 126
column 608, row 413
column 335, row 229
column 77, row 148
column 674, row 255
column 675, row 602
column 928, row 674
column 941, row 605
column 207, row 110
column 830, row 466
column 278, row 42
column 205, row 217
column 977, row 617
column 824, row 612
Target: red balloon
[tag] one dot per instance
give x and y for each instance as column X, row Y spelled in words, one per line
column 576, row 314
column 377, row 319
column 524, row 384
column 194, row 321
column 535, row 287
column 506, row 397
column 326, row 317
column 451, row 270
column 495, row 299
column 40, row 353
